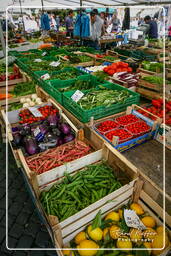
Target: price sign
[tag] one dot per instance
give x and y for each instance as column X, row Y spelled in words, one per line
column 132, row 220
column 37, row 60
column 45, row 76
column 54, row 63
column 77, row 96
column 44, row 53
column 35, row 112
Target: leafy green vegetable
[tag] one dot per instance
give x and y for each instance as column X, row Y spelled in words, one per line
column 153, row 66
column 15, row 106
column 22, row 89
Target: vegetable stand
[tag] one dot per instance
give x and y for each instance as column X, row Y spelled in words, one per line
column 137, row 196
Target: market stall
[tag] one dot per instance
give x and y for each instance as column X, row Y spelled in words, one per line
column 87, row 128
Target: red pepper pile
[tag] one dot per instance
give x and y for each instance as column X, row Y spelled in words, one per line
column 123, row 135
column 27, row 117
column 107, row 125
column 138, row 128
column 117, row 67
column 127, row 119
column 157, row 109
column 55, row 157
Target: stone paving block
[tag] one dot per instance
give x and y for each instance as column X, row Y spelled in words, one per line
column 42, row 239
column 2, row 192
column 16, row 230
column 23, row 218
column 25, row 241
column 12, row 242
column 11, row 219
column 20, row 253
column 3, row 221
column 2, row 234
column 4, row 249
column 12, row 193
column 15, row 208
column 32, row 229
column 2, row 213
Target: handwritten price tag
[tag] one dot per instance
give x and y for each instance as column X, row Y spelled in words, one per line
column 132, row 220
column 45, row 76
column 77, row 96
column 35, row 112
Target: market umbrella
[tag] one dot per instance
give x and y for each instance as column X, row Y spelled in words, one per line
column 126, row 20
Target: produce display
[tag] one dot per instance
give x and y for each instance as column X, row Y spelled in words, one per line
column 75, row 58
column 117, row 67
column 55, row 157
column 96, row 68
column 101, row 76
column 156, row 107
column 112, row 231
column 80, row 84
column 25, row 102
column 37, row 134
column 124, row 127
column 22, row 89
column 78, row 191
column 130, row 79
column 154, row 79
column 65, row 75
column 122, row 133
column 103, row 97
column 13, row 73
column 138, row 128
column 106, row 126
column 126, row 119
column 153, row 66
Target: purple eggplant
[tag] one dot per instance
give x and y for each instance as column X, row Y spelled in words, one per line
column 31, row 146
column 68, row 138
column 53, row 120
column 65, row 128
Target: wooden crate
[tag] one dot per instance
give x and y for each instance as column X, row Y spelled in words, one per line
column 123, row 169
column 149, row 94
column 58, row 172
column 168, row 73
column 142, row 70
column 136, row 195
column 100, row 139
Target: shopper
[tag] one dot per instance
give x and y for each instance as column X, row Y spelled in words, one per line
column 57, row 23
column 153, row 30
column 96, row 29
column 115, row 23
column 105, row 23
column 45, row 23
column 69, row 24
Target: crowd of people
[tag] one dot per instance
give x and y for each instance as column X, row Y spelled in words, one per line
column 96, row 24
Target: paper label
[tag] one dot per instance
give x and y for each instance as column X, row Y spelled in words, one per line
column 54, row 63
column 35, row 112
column 45, row 76
column 132, row 220
column 44, row 53
column 37, row 60
column 77, row 96
column 36, row 131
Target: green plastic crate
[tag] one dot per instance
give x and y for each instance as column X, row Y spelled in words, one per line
column 58, row 95
column 99, row 112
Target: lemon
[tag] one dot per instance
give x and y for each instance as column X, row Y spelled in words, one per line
column 112, row 216
column 149, row 221
column 115, row 232
column 91, row 247
column 124, row 244
column 95, row 234
column 68, row 252
column 148, row 246
column 80, row 237
column 135, row 234
column 160, row 229
column 105, row 232
column 158, row 242
column 137, row 208
column 149, row 233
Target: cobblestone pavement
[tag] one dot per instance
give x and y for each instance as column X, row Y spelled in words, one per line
column 25, row 229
